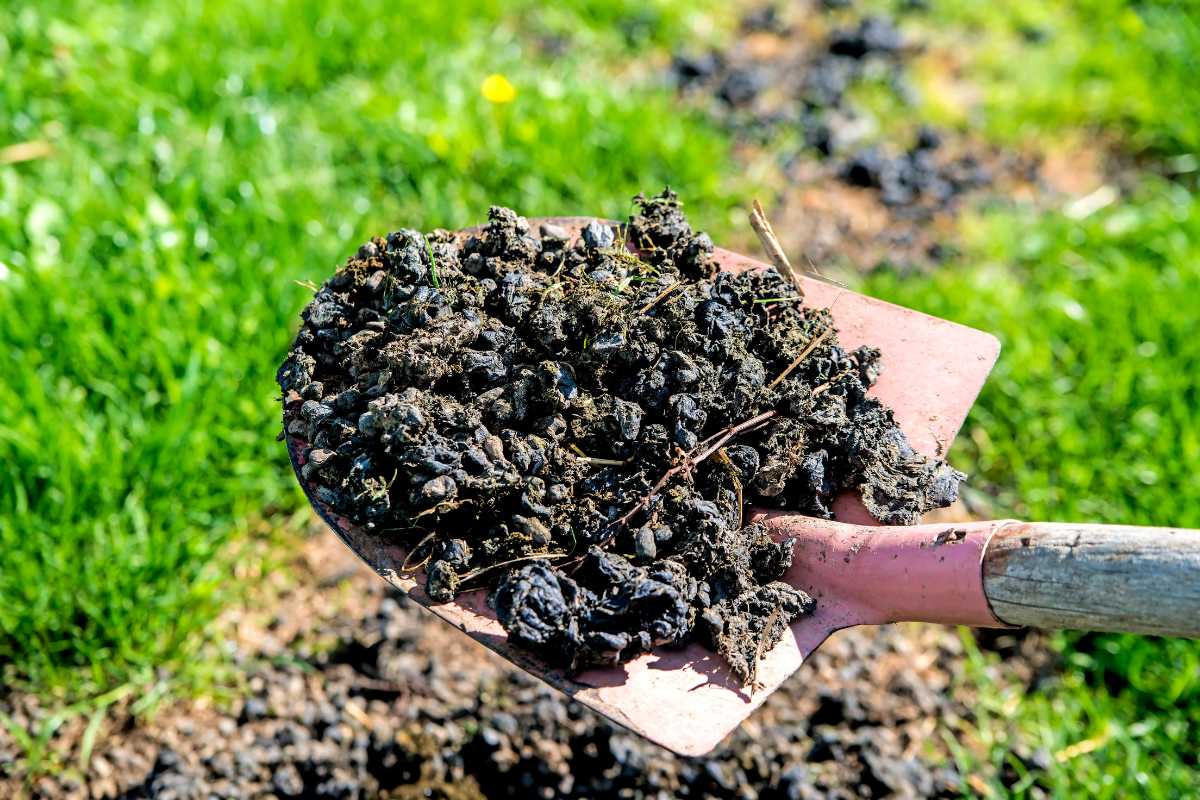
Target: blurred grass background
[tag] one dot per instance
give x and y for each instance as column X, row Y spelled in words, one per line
column 205, row 156
column 1093, row 410
column 1091, row 414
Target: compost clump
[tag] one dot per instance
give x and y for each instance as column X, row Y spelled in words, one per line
column 580, row 426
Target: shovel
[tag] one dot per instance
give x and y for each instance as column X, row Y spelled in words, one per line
column 984, row 574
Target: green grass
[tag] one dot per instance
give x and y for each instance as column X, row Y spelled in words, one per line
column 1034, row 70
column 1091, row 414
column 1108, row 65
column 1099, row 740
column 206, row 157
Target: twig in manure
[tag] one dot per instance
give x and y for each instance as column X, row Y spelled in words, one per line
column 723, row 457
column 803, row 355
column 770, row 243
column 406, row 567
column 725, row 434
column 824, row 387
column 605, row 462
column 475, row 573
column 661, row 295
column 690, row 461
column 758, row 651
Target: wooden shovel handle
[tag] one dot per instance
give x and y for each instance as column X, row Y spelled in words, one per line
column 1095, row 577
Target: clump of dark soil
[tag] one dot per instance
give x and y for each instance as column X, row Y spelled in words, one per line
column 781, row 75
column 914, row 176
column 594, row 418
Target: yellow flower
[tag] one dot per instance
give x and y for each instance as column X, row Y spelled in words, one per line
column 497, row 89
column 438, row 143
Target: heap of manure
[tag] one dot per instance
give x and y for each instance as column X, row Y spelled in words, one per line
column 581, row 428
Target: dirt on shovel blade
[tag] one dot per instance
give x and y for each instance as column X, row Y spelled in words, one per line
column 581, row 427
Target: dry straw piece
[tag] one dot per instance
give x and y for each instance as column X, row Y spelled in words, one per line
column 770, row 243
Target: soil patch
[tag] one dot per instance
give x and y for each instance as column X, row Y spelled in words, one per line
column 372, row 697
column 851, row 190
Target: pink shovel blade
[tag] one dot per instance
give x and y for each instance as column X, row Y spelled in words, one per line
column 686, row 699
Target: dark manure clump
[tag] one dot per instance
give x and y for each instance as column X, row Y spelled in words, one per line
column 581, row 427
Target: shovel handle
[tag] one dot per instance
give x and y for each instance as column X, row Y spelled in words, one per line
column 1116, row 578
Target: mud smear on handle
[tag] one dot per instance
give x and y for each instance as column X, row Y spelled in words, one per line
column 580, row 427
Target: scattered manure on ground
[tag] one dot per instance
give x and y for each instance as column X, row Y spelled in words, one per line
column 865, row 185
column 580, row 427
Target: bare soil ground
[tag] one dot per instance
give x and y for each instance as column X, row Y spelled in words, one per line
column 352, row 691
column 852, row 190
